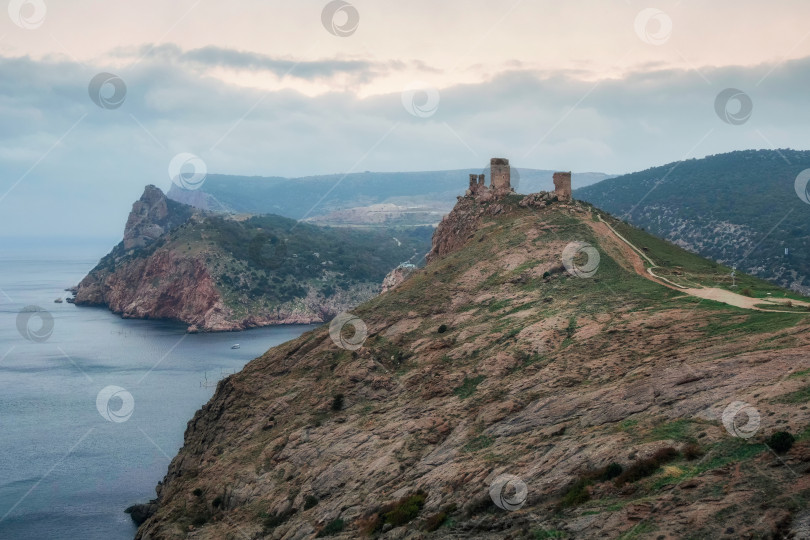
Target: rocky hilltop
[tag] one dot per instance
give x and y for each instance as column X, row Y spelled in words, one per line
column 216, row 272
column 549, row 374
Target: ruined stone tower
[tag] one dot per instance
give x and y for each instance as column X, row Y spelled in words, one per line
column 477, row 183
column 562, row 185
column 500, row 176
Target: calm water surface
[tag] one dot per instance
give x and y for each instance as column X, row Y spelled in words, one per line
column 66, row 471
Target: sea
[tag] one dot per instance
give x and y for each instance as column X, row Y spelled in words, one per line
column 92, row 406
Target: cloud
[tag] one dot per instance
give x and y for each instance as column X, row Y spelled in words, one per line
column 211, row 56
column 83, row 166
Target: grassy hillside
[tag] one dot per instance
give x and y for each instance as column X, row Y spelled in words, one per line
column 604, row 395
column 739, row 209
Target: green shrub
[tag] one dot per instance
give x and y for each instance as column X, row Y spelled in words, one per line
column 781, row 441
column 434, row 522
column 337, row 402
column 271, row 521
column 443, row 329
column 406, row 509
column 197, row 492
column 692, row 451
column 468, row 387
column 577, row 494
column 747, row 292
column 333, row 527
column 610, row 472
column 646, row 467
column 310, row 501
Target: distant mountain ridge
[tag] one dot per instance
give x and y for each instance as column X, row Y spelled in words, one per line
column 309, row 197
column 739, row 208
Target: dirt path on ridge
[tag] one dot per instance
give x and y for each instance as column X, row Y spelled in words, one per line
column 636, row 258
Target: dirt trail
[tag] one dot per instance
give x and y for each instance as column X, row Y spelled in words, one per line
column 637, row 257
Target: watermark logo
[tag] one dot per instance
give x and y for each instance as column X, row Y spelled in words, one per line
column 267, row 250
column 653, row 26
column 115, row 404
column 100, row 85
column 420, row 99
column 571, row 254
column 802, row 185
column 188, row 171
column 337, row 331
column 734, row 412
column 340, row 18
column 35, row 324
column 27, row 14
column 727, row 113
column 508, row 492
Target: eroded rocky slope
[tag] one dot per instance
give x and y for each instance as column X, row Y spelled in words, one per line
column 603, row 395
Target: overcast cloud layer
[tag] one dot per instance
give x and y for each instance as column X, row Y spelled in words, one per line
column 265, row 89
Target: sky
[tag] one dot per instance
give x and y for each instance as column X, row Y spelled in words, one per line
column 99, row 98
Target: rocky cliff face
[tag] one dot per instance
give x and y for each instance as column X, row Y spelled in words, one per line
column 397, row 276
column 605, row 401
column 161, row 286
column 150, row 218
column 170, row 265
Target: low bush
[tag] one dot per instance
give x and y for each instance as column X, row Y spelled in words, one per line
column 781, row 441
column 310, row 501
column 434, row 522
column 331, row 528
column 443, row 329
column 395, row 514
column 406, row 509
column 692, row 451
column 271, row 521
column 579, row 493
column 337, row 402
column 646, row 467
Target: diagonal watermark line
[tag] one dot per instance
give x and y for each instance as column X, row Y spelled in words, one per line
column 162, row 358
column 66, row 355
column 7, row 353
column 169, row 31
column 4, row 293
column 156, row 445
column 572, row 109
column 27, row 493
column 773, row 147
column 147, row 131
column 783, row 60
column 692, row 67
column 462, row 140
column 351, row 169
column 237, row 527
column 34, row 166
column 677, row 164
column 72, row 57
column 259, row 102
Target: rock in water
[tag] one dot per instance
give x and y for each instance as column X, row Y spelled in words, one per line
column 141, row 512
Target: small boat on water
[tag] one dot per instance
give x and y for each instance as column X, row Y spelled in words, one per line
column 57, row 301
column 235, row 346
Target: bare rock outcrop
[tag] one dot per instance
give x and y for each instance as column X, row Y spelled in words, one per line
column 397, row 276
